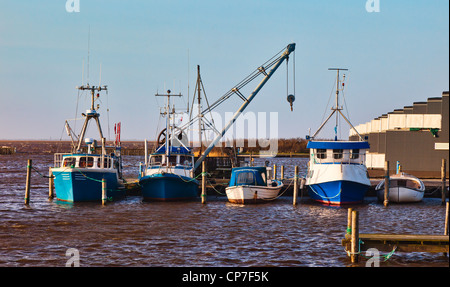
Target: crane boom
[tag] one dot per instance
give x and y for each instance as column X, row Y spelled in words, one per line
column 289, row 49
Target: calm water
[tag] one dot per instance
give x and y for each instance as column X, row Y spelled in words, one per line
column 135, row 233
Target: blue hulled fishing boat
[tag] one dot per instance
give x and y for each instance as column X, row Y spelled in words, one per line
column 78, row 175
column 168, row 174
column 337, row 173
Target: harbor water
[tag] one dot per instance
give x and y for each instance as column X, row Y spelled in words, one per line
column 131, row 232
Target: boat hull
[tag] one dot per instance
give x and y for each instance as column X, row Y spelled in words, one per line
column 251, row 194
column 403, row 187
column 76, row 185
column 340, row 192
column 401, row 194
column 168, row 187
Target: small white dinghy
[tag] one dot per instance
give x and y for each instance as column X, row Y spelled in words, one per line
column 403, row 187
column 250, row 185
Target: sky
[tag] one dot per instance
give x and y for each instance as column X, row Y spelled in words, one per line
column 396, row 55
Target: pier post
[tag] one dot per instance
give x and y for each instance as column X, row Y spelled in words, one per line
column 203, row 182
column 282, row 172
column 295, row 185
column 302, row 187
column 274, row 172
column 27, row 187
column 355, row 237
column 443, row 178
column 104, row 196
column 446, row 222
column 349, row 221
column 50, row 183
column 146, row 152
column 446, row 219
column 386, row 183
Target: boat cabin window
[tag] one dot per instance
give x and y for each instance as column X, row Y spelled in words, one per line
column 263, row 175
column 245, row 178
column 156, row 159
column 354, row 154
column 337, row 153
column 185, row 160
column 106, row 162
column 86, row 161
column 321, row 153
column 173, row 160
column 69, row 162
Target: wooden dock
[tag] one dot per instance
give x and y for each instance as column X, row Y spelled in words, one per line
column 356, row 243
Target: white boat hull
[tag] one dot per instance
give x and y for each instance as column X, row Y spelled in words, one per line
column 401, row 194
column 403, row 188
column 244, row 194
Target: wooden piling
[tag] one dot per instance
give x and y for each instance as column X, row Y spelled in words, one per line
column 443, row 178
column 50, row 183
column 295, row 185
column 446, row 220
column 203, row 182
column 355, row 237
column 274, row 172
column 386, row 183
column 104, row 195
column 282, row 172
column 27, row 187
column 349, row 221
column 302, row 187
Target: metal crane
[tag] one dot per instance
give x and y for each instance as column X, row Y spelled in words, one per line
column 273, row 64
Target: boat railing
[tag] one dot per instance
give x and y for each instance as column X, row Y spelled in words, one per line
column 58, row 159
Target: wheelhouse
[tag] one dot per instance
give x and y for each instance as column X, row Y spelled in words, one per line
column 256, row 176
column 86, row 161
column 339, row 152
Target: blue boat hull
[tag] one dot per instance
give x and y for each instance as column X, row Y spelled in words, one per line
column 168, row 187
column 74, row 186
column 338, row 192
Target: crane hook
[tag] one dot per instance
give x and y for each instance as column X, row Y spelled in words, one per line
column 291, row 99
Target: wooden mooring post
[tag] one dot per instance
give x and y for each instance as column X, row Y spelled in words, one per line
column 274, row 172
column 27, row 186
column 386, row 183
column 295, row 185
column 446, row 219
column 357, row 243
column 203, row 182
column 104, row 194
column 354, row 248
column 282, row 173
column 443, row 178
column 50, row 184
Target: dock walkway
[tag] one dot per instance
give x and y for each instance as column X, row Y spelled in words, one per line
column 355, row 243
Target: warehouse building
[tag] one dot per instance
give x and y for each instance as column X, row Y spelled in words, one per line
column 417, row 136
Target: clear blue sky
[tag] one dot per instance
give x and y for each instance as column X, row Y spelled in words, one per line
column 395, row 57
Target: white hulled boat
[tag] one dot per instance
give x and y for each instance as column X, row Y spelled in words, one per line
column 336, row 171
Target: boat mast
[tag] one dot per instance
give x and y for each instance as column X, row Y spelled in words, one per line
column 91, row 114
column 336, row 109
column 167, row 114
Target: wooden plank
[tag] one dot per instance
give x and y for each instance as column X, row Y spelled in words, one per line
column 404, row 237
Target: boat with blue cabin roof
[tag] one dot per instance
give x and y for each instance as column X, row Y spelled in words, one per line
column 251, row 185
column 337, row 173
column 168, row 174
column 78, row 175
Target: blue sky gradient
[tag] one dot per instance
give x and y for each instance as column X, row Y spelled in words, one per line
column 395, row 57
